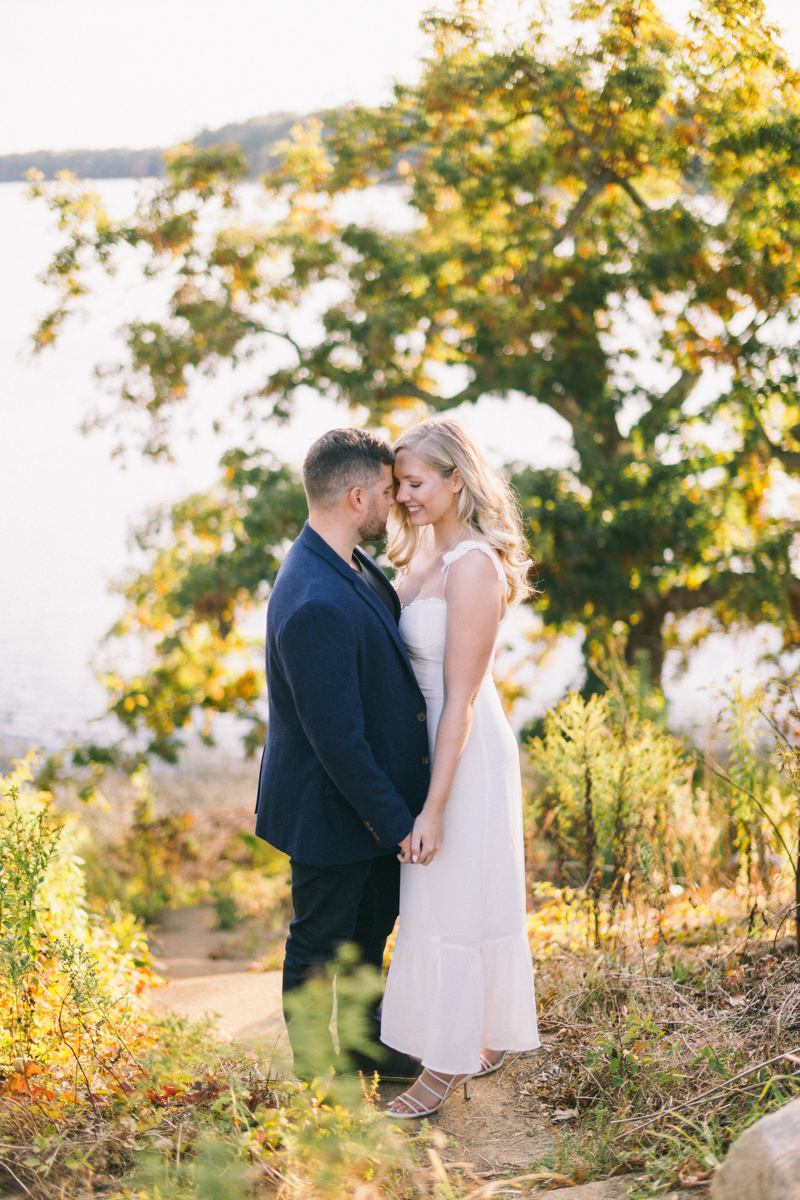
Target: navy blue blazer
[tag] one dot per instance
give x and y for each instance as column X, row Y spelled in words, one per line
column 345, row 768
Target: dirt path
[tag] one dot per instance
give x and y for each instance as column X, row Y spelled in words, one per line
column 489, row 1130
column 245, row 1003
column 492, row 1130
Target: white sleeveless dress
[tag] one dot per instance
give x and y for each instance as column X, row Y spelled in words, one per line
column 461, row 974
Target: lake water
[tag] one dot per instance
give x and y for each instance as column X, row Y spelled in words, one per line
column 66, row 508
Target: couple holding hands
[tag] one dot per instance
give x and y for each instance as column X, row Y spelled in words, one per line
column 391, row 776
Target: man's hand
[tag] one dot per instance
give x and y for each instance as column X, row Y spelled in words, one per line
column 405, row 849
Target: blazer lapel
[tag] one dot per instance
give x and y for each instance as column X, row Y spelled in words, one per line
column 370, row 568
column 312, row 541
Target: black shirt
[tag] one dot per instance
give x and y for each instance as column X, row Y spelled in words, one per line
column 380, row 585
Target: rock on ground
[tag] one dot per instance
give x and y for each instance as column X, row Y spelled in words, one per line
column 611, row 1189
column 764, row 1163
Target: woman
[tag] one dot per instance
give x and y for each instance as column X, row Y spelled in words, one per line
column 460, row 988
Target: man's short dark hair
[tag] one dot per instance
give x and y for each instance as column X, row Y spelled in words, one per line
column 342, row 459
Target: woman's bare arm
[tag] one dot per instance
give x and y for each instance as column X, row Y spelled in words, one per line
column 475, row 601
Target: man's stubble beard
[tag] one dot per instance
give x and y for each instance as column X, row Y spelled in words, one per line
column 373, row 527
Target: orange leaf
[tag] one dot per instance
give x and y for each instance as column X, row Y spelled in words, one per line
column 27, row 1067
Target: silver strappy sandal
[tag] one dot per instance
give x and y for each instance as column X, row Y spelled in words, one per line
column 488, row 1067
column 418, row 1109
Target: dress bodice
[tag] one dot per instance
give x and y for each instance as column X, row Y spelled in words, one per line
column 423, row 623
column 423, row 626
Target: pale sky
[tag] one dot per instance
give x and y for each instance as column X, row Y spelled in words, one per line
column 101, row 73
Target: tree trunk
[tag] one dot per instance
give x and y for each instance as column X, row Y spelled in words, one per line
column 646, row 636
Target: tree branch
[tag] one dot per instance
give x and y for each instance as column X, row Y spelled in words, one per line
column 628, row 187
column 286, row 338
column 787, row 458
column 566, row 407
column 577, row 133
column 557, row 235
column 396, row 390
column 575, row 214
column 676, row 395
column 684, row 599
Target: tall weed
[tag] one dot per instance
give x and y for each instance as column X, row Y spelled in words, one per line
column 611, row 784
column 621, row 809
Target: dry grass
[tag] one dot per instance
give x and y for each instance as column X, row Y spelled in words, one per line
column 667, row 1040
column 644, row 1074
column 671, row 1015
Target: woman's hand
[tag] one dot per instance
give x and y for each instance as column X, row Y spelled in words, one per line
column 405, row 849
column 426, row 836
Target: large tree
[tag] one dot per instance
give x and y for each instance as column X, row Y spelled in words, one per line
column 572, row 199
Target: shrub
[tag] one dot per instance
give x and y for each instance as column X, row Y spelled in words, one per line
column 69, row 979
column 612, row 779
column 144, row 872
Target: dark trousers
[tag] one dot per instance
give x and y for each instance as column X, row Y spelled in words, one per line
column 352, row 903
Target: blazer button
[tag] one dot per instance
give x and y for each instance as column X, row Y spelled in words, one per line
column 420, row 716
column 424, row 760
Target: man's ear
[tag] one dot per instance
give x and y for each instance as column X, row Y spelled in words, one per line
column 357, row 499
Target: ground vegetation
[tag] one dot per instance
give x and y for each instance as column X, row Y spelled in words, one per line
column 666, row 966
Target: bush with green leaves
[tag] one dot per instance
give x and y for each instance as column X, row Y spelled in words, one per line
column 68, row 978
column 612, row 777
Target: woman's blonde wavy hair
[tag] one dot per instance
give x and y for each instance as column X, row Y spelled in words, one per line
column 486, row 504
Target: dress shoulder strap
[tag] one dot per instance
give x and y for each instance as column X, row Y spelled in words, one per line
column 464, row 548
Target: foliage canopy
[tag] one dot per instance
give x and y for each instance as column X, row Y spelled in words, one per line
column 581, row 210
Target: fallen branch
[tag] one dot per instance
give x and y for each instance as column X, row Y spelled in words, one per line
column 440, row 1168
column 719, row 1087
column 6, row 1167
column 492, row 1189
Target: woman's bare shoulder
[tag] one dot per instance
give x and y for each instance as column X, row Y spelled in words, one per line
column 468, row 571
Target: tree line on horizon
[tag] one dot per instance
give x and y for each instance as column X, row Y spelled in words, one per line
column 256, row 138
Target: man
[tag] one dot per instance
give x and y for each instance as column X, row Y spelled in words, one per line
column 345, row 768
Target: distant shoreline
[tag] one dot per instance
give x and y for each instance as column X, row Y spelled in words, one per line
column 256, row 137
